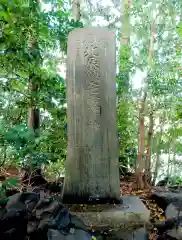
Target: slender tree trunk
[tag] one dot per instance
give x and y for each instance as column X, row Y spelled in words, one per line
column 33, row 175
column 157, row 163
column 149, row 145
column 169, row 161
column 4, row 156
column 174, row 157
column 33, row 112
column 141, row 146
column 140, row 177
column 123, row 84
column 156, row 167
column 125, row 28
column 76, row 11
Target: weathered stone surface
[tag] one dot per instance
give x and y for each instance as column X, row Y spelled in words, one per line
column 174, row 209
column 138, row 234
column 163, row 199
column 171, row 202
column 92, row 160
column 170, row 228
column 175, row 188
column 175, row 234
column 130, row 215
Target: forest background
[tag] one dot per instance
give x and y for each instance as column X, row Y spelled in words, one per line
column 33, row 46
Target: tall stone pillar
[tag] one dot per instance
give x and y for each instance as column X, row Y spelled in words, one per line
column 92, row 160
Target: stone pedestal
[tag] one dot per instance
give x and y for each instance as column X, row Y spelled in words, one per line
column 132, row 214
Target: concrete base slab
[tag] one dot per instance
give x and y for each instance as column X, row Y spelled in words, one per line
column 139, row 234
column 132, row 214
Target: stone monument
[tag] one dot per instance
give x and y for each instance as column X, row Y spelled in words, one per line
column 92, row 171
column 92, row 160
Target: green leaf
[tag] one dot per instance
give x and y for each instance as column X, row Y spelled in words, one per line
column 11, row 182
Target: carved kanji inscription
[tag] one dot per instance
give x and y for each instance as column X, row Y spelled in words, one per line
column 91, row 101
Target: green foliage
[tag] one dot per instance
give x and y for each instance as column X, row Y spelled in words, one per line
column 24, row 143
column 10, row 183
column 31, row 42
column 54, row 170
column 7, row 184
column 125, row 122
column 175, row 180
column 125, row 64
column 179, row 30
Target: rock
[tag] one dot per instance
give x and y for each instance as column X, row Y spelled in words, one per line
column 163, row 182
column 175, row 234
column 77, row 234
column 138, row 234
column 163, row 199
column 173, row 210
column 171, row 228
column 131, row 214
column 175, row 188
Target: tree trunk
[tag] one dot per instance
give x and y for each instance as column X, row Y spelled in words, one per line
column 32, row 174
column 33, row 85
column 148, row 154
column 76, row 11
column 141, row 147
column 157, row 163
column 33, row 112
column 169, row 161
column 123, row 85
column 34, row 119
column 158, row 152
column 125, row 19
column 4, row 156
column 174, row 157
column 140, row 177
